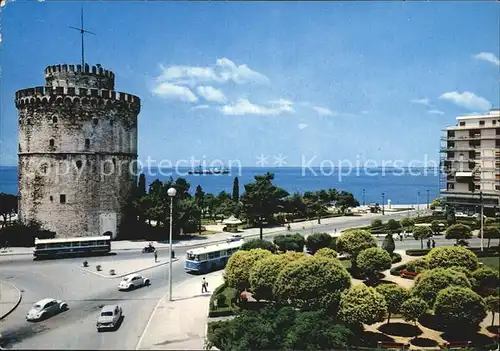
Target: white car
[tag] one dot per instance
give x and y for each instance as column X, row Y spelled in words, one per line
column 109, row 317
column 45, row 308
column 460, row 214
column 234, row 237
column 133, row 281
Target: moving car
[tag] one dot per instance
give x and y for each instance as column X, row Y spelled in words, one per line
column 45, row 308
column 133, row 281
column 234, row 237
column 109, row 317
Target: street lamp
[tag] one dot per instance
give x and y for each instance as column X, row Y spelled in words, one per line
column 383, row 202
column 363, row 196
column 427, row 198
column 171, row 193
column 418, row 200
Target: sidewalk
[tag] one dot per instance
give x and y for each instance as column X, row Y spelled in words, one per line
column 10, row 297
column 181, row 324
column 123, row 268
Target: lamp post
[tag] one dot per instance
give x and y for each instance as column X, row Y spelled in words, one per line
column 363, row 196
column 171, row 193
column 482, row 219
column 418, row 200
column 383, row 203
column 427, row 198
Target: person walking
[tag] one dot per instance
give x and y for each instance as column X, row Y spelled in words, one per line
column 429, row 243
column 204, row 285
column 156, row 256
column 433, row 243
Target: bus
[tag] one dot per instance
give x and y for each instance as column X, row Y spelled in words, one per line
column 68, row 247
column 210, row 258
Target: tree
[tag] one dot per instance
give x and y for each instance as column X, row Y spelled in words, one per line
column 460, row 308
column 372, row 261
column 413, row 308
column 346, row 200
column 295, row 206
column 362, row 305
column 394, row 296
column 240, row 265
column 316, row 204
column 317, row 241
column 449, row 256
column 141, row 187
column 458, row 231
column 492, row 305
column 389, row 245
column 8, row 206
column 258, row 244
column 435, row 203
column 290, row 242
column 450, row 215
column 421, row 233
column 326, row 252
column 490, row 232
column 264, row 274
column 312, row 283
column 376, row 223
column 262, row 200
column 407, row 223
column 236, row 189
column 393, row 226
column 314, row 330
column 353, row 242
column 436, row 227
column 429, row 283
column 199, row 196
column 485, row 280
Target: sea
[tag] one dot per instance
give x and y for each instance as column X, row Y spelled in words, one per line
column 399, row 186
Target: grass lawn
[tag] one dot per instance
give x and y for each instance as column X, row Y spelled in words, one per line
column 208, row 232
column 228, row 292
column 346, row 264
column 493, row 262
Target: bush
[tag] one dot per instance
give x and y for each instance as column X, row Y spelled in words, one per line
column 417, row 252
column 290, row 242
column 362, row 305
column 462, row 270
column 388, row 244
column 485, row 280
column 326, row 252
column 394, row 226
column 436, row 227
column 353, row 242
column 239, row 266
column 396, row 258
column 376, row 223
column 490, row 232
column 492, row 305
column 221, row 300
column 312, row 283
column 394, row 296
column 460, row 308
column 265, row 272
column 417, row 266
column 258, row 244
column 458, row 231
column 413, row 308
column 24, row 235
column 372, row 261
column 407, row 222
column 429, row 283
column 317, row 241
column 448, row 256
column 421, row 233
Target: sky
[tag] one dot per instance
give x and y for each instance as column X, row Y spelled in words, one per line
column 269, row 83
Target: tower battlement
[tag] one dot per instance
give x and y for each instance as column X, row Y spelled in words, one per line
column 74, row 96
column 76, row 75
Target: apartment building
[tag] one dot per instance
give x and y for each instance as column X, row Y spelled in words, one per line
column 470, row 163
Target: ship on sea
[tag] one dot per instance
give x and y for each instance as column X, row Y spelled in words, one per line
column 200, row 170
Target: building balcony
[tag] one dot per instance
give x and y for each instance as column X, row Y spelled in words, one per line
column 475, row 137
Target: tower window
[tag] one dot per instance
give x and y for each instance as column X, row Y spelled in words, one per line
column 79, row 164
column 87, row 143
column 28, row 121
column 96, row 121
column 54, row 119
column 481, row 123
column 51, row 142
column 62, row 198
column 462, row 124
column 51, row 198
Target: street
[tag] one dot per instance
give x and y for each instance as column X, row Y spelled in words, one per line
column 85, row 293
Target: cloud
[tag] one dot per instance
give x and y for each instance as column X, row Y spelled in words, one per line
column 365, row 112
column 175, row 92
column 302, row 126
column 424, row 101
column 200, row 107
column 467, row 100
column 435, row 112
column 285, row 105
column 322, row 111
column 223, row 71
column 488, row 57
column 245, row 107
column 211, row 94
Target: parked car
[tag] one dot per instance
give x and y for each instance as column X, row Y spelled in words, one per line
column 45, row 308
column 109, row 317
column 133, row 281
column 234, row 237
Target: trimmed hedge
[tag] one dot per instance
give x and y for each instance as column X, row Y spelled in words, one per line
column 396, row 257
column 228, row 295
column 396, row 270
column 417, row 252
column 488, row 251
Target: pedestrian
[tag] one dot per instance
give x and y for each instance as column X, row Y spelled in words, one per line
column 335, row 230
column 433, row 243
column 156, row 257
column 429, row 243
column 400, row 237
column 204, row 285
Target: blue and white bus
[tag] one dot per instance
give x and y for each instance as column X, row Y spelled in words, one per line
column 210, row 258
column 67, row 247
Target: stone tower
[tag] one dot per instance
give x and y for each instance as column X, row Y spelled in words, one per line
column 77, row 151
